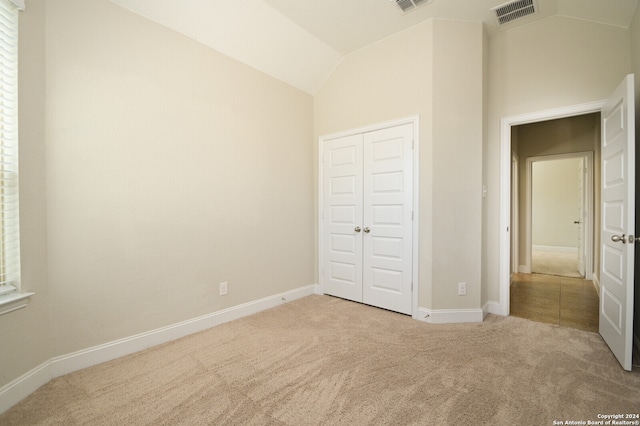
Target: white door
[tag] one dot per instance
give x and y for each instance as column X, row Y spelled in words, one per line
column 367, row 209
column 582, row 171
column 387, row 232
column 618, row 215
column 342, row 215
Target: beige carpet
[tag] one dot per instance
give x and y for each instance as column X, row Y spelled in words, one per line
column 325, row 361
column 555, row 263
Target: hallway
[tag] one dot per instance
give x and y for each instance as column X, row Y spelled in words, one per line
column 565, row 301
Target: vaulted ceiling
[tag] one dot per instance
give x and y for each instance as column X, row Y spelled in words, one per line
column 302, row 41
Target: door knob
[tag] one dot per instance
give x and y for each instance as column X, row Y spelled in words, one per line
column 367, row 230
column 357, row 229
column 619, row 238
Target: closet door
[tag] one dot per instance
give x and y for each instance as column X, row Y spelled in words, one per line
column 342, row 215
column 387, row 221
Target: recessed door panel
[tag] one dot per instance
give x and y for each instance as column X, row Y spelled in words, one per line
column 613, row 216
column 345, row 156
column 386, row 183
column 343, row 272
column 387, row 247
column 613, row 169
column 387, row 281
column 343, row 215
column 387, row 149
column 387, row 215
column 343, row 185
column 612, row 310
column 613, row 263
column 341, row 243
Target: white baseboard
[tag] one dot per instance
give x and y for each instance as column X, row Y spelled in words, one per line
column 449, row 316
column 555, row 248
column 524, row 269
column 18, row 389
column 492, row 307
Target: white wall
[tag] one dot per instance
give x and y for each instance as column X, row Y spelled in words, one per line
column 551, row 63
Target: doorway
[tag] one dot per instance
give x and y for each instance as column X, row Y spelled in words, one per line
column 510, row 148
column 554, row 209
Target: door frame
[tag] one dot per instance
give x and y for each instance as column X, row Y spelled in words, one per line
column 587, row 224
column 505, row 183
column 415, row 121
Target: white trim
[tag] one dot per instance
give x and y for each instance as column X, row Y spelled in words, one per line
column 555, row 248
column 505, row 181
column 13, row 301
column 16, row 390
column 596, row 284
column 515, row 208
column 415, row 121
column 450, row 316
column 491, row 307
column 18, row 4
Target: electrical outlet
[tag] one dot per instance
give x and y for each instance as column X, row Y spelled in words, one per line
column 223, row 288
column 462, row 289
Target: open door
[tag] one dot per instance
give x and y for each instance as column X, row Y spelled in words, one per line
column 618, row 214
column 582, row 173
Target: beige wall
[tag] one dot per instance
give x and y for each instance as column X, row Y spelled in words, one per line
column 25, row 334
column 411, row 73
column 457, row 163
column 551, row 63
column 169, row 169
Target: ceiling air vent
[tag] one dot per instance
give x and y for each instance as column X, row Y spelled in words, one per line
column 407, row 5
column 514, row 10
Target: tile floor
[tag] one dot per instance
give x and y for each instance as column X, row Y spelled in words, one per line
column 566, row 301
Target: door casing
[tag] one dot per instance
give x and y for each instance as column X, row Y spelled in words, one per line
column 415, row 121
column 503, row 306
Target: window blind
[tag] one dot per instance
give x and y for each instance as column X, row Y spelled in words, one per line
column 9, row 218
